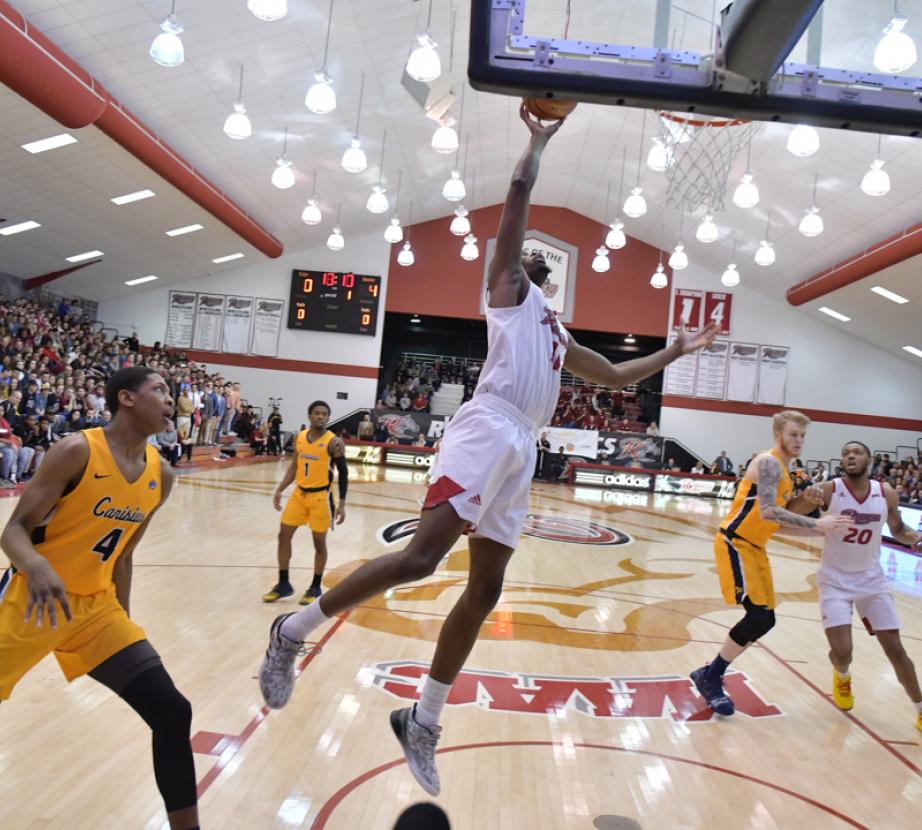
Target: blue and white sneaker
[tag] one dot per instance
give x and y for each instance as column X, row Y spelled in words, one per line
column 712, row 690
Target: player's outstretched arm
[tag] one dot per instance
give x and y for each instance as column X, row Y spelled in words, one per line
column 898, row 529
column 768, row 476
column 591, row 366
column 817, row 495
column 506, row 277
column 62, row 468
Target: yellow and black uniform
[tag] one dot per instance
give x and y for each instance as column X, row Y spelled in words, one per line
column 311, row 503
column 739, row 546
column 82, row 538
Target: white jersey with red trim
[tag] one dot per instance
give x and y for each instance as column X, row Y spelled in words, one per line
column 526, row 345
column 859, row 549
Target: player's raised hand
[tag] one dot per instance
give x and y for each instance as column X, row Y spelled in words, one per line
column 692, row 342
column 836, row 523
column 45, row 587
column 814, row 495
column 536, row 127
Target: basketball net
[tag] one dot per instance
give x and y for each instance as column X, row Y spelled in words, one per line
column 699, row 152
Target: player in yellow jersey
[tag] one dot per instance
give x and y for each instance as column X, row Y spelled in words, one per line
column 70, row 541
column 764, row 502
column 316, row 451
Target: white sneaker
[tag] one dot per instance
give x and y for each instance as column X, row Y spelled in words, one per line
column 277, row 672
column 418, row 744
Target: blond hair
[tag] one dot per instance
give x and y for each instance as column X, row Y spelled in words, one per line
column 779, row 419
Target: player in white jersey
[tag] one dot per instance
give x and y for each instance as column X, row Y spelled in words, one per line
column 850, row 574
column 481, row 476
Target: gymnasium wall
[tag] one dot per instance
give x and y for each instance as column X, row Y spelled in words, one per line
column 857, row 390
column 310, row 365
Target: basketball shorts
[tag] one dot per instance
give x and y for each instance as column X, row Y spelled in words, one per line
column 100, row 628
column 484, row 468
column 312, row 509
column 866, row 591
column 744, row 571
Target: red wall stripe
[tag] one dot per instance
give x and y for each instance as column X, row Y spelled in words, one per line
column 281, row 364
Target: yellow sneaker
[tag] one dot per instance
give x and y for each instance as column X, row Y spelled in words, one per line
column 842, row 692
column 919, row 721
column 280, row 591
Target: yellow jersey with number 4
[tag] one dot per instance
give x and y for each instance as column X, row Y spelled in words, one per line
column 745, row 520
column 89, row 527
column 314, row 469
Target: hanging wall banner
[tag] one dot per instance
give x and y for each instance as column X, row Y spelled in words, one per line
column 743, row 372
column 209, row 316
column 267, row 323
column 773, row 374
column 717, row 305
column 238, row 318
column 680, row 374
column 180, row 319
column 686, row 309
column 711, row 379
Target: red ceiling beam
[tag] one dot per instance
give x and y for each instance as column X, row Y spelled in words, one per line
column 35, row 282
column 35, row 68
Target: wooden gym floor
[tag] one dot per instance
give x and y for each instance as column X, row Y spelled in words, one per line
column 575, row 710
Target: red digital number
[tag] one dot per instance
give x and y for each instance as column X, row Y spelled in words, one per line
column 858, row 537
column 308, row 285
column 348, row 280
column 329, row 279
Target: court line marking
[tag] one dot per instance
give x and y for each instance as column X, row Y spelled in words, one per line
column 340, row 795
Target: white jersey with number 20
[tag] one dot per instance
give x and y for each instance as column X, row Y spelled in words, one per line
column 859, row 549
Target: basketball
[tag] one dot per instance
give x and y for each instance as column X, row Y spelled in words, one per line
column 549, row 109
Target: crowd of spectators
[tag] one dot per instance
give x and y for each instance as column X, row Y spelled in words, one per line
column 52, row 382
column 415, row 382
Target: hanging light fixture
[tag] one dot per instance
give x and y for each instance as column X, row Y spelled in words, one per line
column 895, row 51
column 354, row 159
column 678, row 259
column 460, row 225
column 268, row 10
column 311, row 214
column 453, row 190
column 237, row 125
column 746, row 194
column 377, row 202
column 283, row 176
column 167, row 48
column 601, row 263
column 424, row 64
column 659, row 278
column 765, row 254
column 803, row 141
column 615, row 239
column 812, row 223
column 876, row 182
column 406, row 257
column 635, row 205
column 445, row 138
column 321, row 97
column 707, row 231
column 470, row 251
column 393, row 232
column 660, row 158
column 731, row 276
column 336, row 241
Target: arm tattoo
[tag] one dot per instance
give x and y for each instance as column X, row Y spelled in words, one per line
column 769, row 476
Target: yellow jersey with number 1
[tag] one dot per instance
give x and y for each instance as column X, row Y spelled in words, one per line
column 89, row 527
column 315, row 464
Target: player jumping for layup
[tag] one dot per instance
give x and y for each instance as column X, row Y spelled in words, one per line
column 850, row 574
column 764, row 502
column 482, row 473
column 71, row 540
column 316, row 450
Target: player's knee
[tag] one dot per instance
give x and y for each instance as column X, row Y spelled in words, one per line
column 763, row 621
column 484, row 595
column 174, row 712
column 417, row 564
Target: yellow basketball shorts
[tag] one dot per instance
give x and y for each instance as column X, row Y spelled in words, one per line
column 312, row 509
column 744, row 571
column 99, row 629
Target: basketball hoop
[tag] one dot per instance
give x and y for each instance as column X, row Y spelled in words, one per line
column 700, row 150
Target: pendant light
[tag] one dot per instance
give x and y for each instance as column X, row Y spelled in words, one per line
column 321, row 97
column 635, row 205
column 283, row 176
column 659, row 279
column 237, row 125
column 453, row 190
column 812, row 223
column 765, row 254
column 731, row 277
column 460, row 225
column 876, row 182
column 895, row 51
column 803, row 141
column 601, row 262
column 424, row 64
column 268, row 10
column 445, row 138
column 470, row 251
column 406, row 257
column 746, row 194
column 167, row 49
column 377, row 201
column 311, row 214
column 660, row 158
column 336, row 241
column 678, row 259
column 616, row 238
column 706, row 231
column 354, row 159
column 393, row 232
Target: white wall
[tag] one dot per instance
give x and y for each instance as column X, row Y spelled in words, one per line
column 829, row 369
column 146, row 313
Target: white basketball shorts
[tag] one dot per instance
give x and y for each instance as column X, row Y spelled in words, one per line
column 867, row 591
column 484, row 468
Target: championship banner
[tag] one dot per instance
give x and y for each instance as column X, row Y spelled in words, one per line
column 180, row 319
column 680, row 374
column 209, row 316
column 717, row 305
column 238, row 319
column 267, row 323
column 686, row 309
column 582, row 442
column 773, row 374
column 711, row 378
column 743, row 372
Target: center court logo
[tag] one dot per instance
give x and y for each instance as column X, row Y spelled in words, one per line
column 550, row 528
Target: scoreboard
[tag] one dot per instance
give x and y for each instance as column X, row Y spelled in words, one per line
column 334, row 301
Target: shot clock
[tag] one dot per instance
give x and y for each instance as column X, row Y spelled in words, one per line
column 334, row 301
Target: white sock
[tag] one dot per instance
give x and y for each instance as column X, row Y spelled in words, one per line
column 299, row 625
column 430, row 703
column 846, row 675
